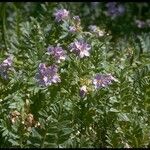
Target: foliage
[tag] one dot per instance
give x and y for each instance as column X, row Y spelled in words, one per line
column 57, row 116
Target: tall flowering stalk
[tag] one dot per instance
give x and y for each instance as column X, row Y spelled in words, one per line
column 47, row 75
column 5, row 66
column 57, row 52
column 61, row 15
column 80, row 47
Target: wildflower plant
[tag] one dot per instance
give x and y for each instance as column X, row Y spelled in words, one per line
column 73, row 82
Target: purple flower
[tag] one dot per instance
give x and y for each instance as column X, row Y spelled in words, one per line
column 61, row 15
column 76, row 18
column 114, row 10
column 47, row 75
column 80, row 47
column 72, row 29
column 57, row 52
column 83, row 91
column 140, row 24
column 101, row 80
column 5, row 66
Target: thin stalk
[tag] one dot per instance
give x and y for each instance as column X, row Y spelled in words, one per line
column 4, row 36
column 82, row 120
column 17, row 20
column 44, row 138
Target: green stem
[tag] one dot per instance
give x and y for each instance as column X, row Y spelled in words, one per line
column 42, row 144
column 17, row 21
column 4, row 24
column 81, row 119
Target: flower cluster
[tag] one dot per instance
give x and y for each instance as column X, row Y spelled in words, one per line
column 47, row 75
column 57, row 52
column 114, row 9
column 80, row 47
column 61, row 15
column 101, row 80
column 5, row 66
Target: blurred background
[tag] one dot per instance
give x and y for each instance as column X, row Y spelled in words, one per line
column 122, row 19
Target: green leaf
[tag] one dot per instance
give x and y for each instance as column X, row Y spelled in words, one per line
column 13, row 142
column 123, row 117
column 113, row 110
